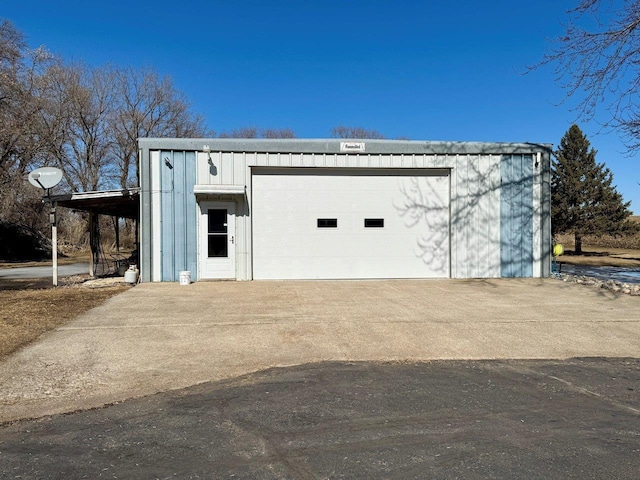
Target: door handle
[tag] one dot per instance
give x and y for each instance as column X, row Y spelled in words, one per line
column 232, row 240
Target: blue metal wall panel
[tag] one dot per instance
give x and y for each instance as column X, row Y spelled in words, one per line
column 190, row 215
column 179, row 222
column 178, row 214
column 167, row 251
column 516, row 216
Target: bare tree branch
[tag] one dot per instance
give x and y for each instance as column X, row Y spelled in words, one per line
column 147, row 105
column 356, row 132
column 597, row 61
column 255, row 132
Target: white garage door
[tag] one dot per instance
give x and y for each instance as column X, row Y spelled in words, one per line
column 325, row 224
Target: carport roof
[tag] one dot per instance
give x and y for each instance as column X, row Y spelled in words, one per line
column 123, row 203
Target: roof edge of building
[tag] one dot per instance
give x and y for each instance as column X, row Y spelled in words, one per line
column 342, row 146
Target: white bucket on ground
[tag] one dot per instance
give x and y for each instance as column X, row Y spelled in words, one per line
column 185, row 277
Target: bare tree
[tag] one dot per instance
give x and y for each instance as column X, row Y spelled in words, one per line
column 255, row 132
column 80, row 102
column 242, row 132
column 356, row 132
column 13, row 99
column 597, row 60
column 22, row 146
column 94, row 117
column 20, row 102
column 85, row 120
column 147, row 105
column 277, row 133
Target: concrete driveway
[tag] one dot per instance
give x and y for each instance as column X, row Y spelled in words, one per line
column 158, row 337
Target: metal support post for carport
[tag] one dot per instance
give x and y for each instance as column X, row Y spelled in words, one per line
column 54, row 242
column 91, row 241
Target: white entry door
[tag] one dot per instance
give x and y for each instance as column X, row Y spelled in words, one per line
column 217, row 240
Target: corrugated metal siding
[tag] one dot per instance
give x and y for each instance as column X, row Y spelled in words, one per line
column 232, row 168
column 156, row 230
column 475, row 195
column 516, row 216
column 179, row 244
column 475, row 216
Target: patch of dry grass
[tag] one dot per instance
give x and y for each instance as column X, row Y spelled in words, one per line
column 603, row 250
column 628, row 242
column 602, row 257
column 27, row 310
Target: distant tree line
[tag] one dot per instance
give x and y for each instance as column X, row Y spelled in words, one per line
column 340, row 131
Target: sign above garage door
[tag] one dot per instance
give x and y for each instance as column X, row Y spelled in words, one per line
column 321, row 223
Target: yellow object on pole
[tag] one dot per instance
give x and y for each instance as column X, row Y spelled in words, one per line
column 558, row 250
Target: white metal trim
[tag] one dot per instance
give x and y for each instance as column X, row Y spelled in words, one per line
column 233, row 252
column 219, row 189
column 156, row 234
column 537, row 216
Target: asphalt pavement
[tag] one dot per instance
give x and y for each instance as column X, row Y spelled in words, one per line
column 551, row 419
column 43, row 272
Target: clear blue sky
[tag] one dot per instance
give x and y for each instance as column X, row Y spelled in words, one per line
column 426, row 70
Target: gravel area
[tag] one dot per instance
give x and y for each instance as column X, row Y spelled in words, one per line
column 611, row 285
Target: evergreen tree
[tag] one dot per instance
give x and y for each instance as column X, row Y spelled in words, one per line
column 583, row 199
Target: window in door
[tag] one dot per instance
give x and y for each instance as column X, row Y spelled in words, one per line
column 218, row 234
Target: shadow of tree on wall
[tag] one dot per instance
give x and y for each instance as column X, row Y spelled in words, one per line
column 490, row 211
column 423, row 207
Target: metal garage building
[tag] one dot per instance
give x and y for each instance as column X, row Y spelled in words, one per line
column 333, row 209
